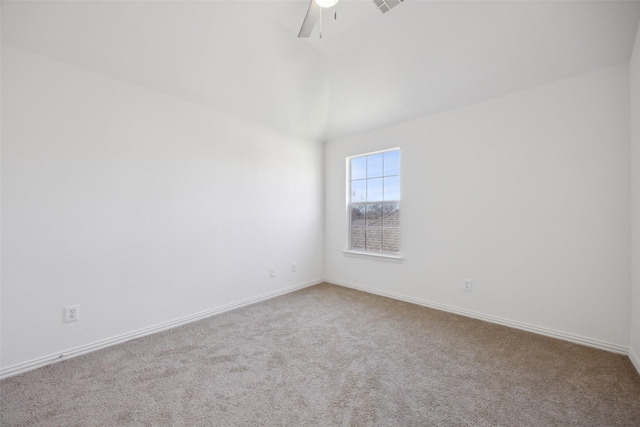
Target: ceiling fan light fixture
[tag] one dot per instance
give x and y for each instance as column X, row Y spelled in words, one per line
column 326, row 3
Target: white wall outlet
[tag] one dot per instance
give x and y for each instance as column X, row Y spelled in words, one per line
column 293, row 267
column 466, row 285
column 272, row 272
column 71, row 313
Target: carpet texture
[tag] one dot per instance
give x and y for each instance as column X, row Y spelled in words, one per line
column 325, row 356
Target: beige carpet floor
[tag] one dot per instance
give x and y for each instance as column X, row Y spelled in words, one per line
column 325, row 356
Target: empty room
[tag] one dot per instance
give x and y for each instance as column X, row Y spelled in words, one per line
column 318, row 213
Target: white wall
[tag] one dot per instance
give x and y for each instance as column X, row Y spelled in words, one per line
column 527, row 195
column 635, row 167
column 140, row 207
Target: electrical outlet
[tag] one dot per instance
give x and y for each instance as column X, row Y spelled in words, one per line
column 272, row 272
column 466, row 285
column 293, row 267
column 71, row 313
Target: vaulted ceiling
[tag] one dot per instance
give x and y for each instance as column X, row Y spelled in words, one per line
column 369, row 69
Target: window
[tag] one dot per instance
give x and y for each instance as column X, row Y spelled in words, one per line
column 374, row 202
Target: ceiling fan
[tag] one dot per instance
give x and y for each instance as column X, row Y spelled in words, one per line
column 314, row 13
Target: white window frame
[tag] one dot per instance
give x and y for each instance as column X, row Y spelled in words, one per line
column 379, row 256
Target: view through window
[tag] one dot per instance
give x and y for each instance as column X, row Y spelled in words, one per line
column 374, row 202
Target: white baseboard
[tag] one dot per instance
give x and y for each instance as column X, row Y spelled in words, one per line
column 603, row 345
column 47, row 360
column 635, row 360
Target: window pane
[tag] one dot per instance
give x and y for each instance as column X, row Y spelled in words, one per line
column 359, row 191
column 359, row 167
column 391, row 215
column 392, row 188
column 374, row 239
column 374, row 202
column 358, row 215
column 391, row 240
column 392, row 163
column 374, row 190
column 374, row 165
column 374, row 215
column 358, row 238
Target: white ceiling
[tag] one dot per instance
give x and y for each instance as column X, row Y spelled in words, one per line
column 368, row 71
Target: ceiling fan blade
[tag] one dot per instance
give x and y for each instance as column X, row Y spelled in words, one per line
column 310, row 20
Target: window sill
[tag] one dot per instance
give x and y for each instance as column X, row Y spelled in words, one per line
column 399, row 259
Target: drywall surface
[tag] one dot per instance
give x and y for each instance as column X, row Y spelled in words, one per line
column 140, row 207
column 635, row 211
column 527, row 195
